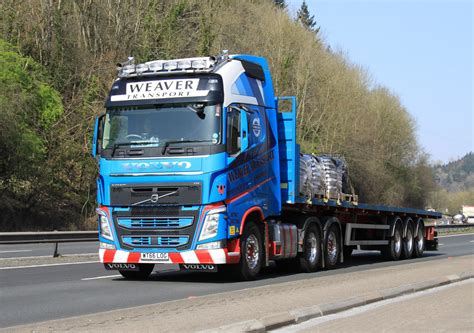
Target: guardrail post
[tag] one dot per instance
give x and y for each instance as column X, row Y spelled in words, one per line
column 56, row 253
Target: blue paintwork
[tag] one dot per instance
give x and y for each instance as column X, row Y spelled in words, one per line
column 94, row 138
column 289, row 151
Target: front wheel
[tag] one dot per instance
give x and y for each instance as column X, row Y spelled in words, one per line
column 144, row 271
column 251, row 253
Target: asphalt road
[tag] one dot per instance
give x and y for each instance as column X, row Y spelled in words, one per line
column 35, row 294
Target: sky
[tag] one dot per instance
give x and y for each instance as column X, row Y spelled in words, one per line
column 422, row 50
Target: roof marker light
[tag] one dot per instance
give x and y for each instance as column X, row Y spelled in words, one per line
column 140, row 68
column 170, row 65
column 155, row 66
column 184, row 64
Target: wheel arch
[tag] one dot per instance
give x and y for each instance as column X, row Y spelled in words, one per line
column 254, row 213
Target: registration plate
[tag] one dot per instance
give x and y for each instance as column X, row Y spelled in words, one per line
column 155, row 256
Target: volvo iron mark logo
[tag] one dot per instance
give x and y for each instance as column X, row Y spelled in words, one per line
column 182, row 165
column 154, row 198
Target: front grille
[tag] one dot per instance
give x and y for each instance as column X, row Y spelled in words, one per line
column 157, row 241
column 172, row 241
column 156, row 227
column 156, row 222
column 136, row 241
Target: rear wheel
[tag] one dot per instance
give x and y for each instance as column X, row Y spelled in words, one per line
column 310, row 259
column 332, row 246
column 419, row 247
column 144, row 271
column 408, row 243
column 393, row 250
column 251, row 253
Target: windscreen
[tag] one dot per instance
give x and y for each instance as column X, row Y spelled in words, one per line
column 162, row 125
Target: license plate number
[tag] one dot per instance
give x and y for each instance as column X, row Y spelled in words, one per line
column 155, row 256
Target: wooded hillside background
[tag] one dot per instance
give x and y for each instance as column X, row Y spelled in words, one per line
column 58, row 62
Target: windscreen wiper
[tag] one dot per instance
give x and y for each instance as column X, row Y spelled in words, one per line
column 119, row 144
column 167, row 143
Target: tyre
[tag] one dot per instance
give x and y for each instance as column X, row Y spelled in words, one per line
column 419, row 246
column 408, row 243
column 144, row 271
column 310, row 258
column 332, row 246
column 393, row 250
column 251, row 253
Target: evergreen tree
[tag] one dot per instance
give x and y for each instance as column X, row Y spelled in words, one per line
column 306, row 19
column 280, row 3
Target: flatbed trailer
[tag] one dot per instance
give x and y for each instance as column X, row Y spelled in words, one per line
column 199, row 166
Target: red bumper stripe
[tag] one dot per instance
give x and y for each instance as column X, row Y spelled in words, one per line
column 134, row 258
column 204, row 257
column 176, row 258
column 109, row 256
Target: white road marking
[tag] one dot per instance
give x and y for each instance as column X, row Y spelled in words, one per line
column 440, row 244
column 313, row 323
column 456, row 235
column 101, row 277
column 15, row 251
column 47, row 265
column 471, row 241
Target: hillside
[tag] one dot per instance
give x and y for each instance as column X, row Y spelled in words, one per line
column 77, row 45
column 457, row 175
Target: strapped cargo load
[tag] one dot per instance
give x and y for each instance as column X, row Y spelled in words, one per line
column 323, row 176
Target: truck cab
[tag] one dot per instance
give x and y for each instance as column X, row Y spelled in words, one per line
column 187, row 152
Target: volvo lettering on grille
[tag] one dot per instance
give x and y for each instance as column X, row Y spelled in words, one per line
column 157, row 165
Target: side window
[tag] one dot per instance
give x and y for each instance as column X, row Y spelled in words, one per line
column 233, row 131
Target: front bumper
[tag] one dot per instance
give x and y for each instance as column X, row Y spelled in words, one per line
column 217, row 256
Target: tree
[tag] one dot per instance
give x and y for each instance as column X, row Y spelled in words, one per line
column 280, row 3
column 307, row 20
column 30, row 107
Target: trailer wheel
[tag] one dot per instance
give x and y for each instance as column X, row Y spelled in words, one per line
column 251, row 253
column 332, row 247
column 408, row 243
column 393, row 250
column 419, row 247
column 310, row 258
column 144, row 271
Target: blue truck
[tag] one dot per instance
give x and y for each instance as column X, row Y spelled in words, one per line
column 199, row 166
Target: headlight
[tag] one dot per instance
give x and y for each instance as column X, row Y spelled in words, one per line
column 104, row 225
column 211, row 223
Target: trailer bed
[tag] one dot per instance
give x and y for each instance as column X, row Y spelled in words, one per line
column 331, row 205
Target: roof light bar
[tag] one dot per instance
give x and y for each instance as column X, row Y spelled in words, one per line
column 164, row 66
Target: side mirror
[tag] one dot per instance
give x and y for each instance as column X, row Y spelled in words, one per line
column 97, row 138
column 244, row 129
